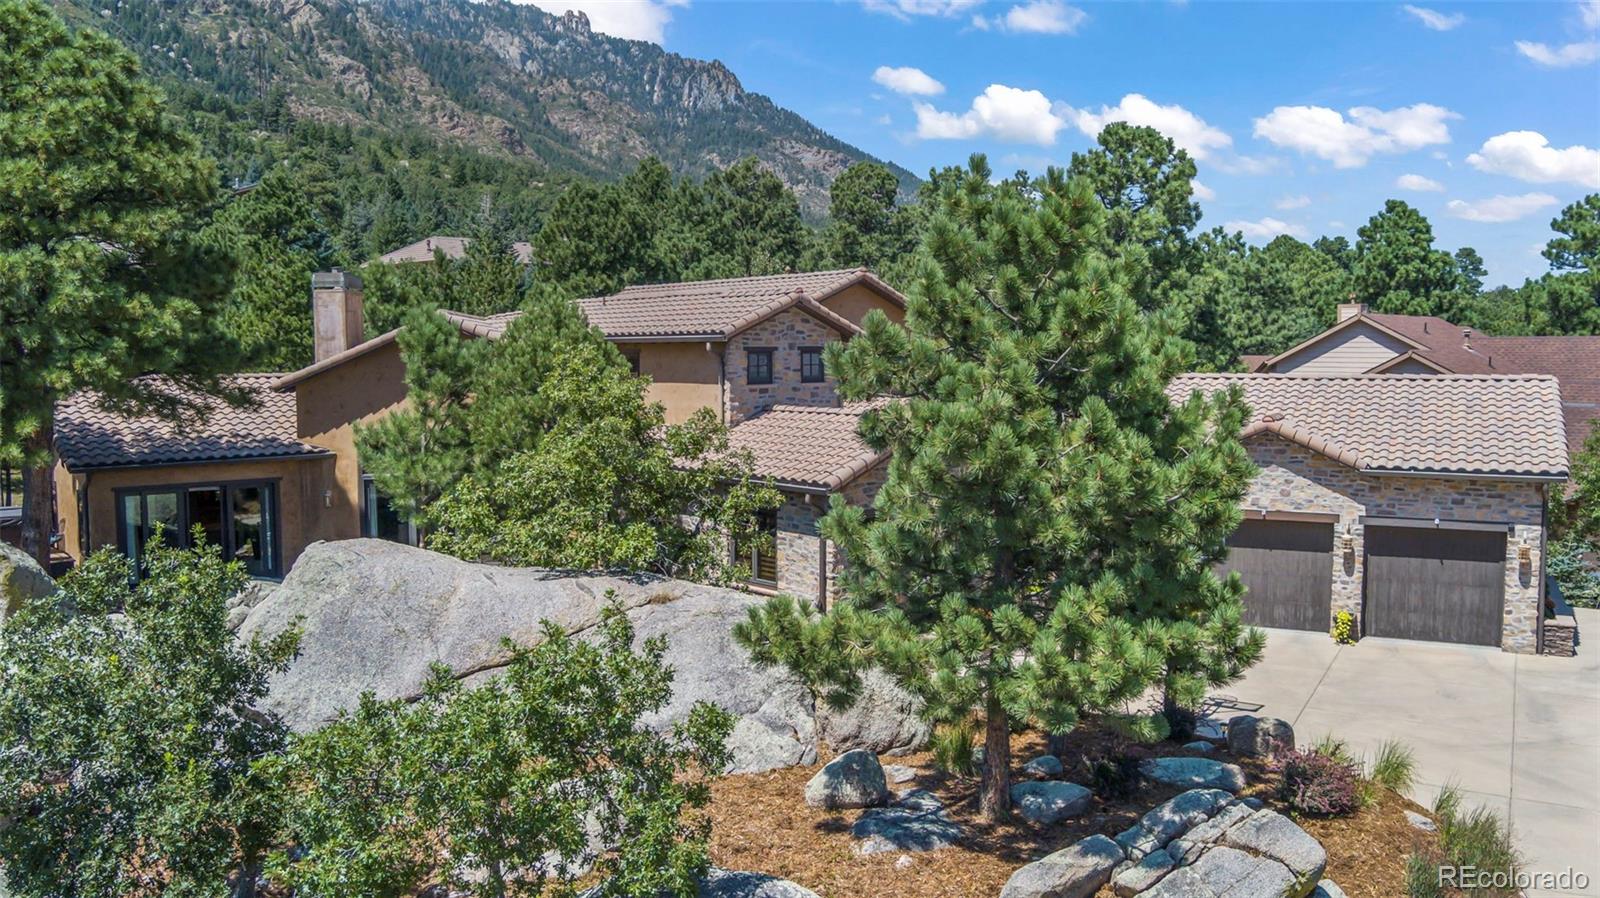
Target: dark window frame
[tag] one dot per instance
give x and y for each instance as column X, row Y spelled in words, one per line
column 752, row 556
column 273, row 531
column 413, row 537
column 750, row 356
column 807, row 375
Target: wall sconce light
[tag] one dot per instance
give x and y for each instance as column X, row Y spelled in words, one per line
column 327, row 498
column 1347, row 541
column 1525, row 552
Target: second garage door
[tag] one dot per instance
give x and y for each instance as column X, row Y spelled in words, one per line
column 1437, row 584
column 1287, row 566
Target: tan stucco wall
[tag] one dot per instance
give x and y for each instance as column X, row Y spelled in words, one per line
column 853, row 304
column 302, row 518
column 328, row 406
column 1293, row 478
column 1355, row 350
column 684, row 377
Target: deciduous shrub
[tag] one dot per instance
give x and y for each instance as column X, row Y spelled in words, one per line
column 1319, row 783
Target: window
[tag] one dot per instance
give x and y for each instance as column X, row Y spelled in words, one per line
column 380, row 520
column 632, row 355
column 241, row 518
column 758, row 366
column 10, row 487
column 761, row 554
column 811, row 365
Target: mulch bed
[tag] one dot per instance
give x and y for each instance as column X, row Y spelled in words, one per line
column 761, row 823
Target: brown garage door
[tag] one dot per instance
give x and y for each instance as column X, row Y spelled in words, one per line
column 1437, row 584
column 1287, row 566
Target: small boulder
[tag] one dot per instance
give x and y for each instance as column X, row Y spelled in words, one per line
column 1208, row 728
column 1258, row 737
column 1047, row 802
column 1142, row 875
column 1421, row 822
column 852, row 780
column 718, row 883
column 1194, row 773
column 899, row 773
column 917, row 822
column 1076, row 871
column 1327, row 889
column 22, row 580
column 1044, row 767
column 1199, row 745
column 1270, row 834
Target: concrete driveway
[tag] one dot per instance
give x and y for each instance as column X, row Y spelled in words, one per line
column 1520, row 733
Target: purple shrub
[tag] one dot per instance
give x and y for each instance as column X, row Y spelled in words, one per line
column 1318, row 784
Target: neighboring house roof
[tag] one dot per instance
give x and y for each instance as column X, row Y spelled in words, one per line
column 816, row 448
column 1450, row 348
column 452, row 247
column 1486, row 425
column 89, row 437
column 718, row 310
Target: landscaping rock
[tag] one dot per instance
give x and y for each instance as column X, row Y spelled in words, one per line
column 1194, row 773
column 1142, row 875
column 1170, row 818
column 1076, row 871
column 917, row 822
column 885, row 719
column 1047, row 802
column 1044, row 767
column 852, row 780
column 1327, row 889
column 1421, row 822
column 734, row 884
column 1272, row 835
column 1259, row 737
column 1186, row 848
column 22, row 580
column 375, row 615
column 899, row 773
column 1209, row 728
column 1227, row 871
column 1198, row 745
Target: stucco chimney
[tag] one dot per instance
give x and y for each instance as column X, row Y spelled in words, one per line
column 335, row 312
column 1351, row 309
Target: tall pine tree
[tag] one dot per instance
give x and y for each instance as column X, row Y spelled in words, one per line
column 1044, row 543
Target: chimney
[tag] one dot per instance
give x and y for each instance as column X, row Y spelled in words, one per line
column 335, row 312
column 1351, row 309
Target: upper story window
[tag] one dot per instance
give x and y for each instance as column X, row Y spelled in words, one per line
column 758, row 366
column 632, row 355
column 811, row 371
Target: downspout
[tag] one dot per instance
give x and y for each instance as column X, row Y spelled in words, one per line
column 1544, row 536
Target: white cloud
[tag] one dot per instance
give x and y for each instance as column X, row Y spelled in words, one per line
column 1528, row 156
column 639, row 20
column 905, row 9
column 1037, row 17
column 1186, row 129
column 1005, row 113
column 884, row 119
column 1292, row 202
column 1565, row 56
column 1500, row 208
column 1434, row 19
column 908, row 80
column 1265, row 229
column 1202, row 192
column 1418, row 183
column 1589, row 11
column 1349, row 143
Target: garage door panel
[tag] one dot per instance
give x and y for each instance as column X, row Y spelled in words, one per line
column 1436, row 584
column 1287, row 570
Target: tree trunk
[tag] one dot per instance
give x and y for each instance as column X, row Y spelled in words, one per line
column 38, row 518
column 244, row 883
column 994, row 796
column 1056, row 744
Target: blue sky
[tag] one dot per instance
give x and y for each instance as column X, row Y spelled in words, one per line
column 1304, row 117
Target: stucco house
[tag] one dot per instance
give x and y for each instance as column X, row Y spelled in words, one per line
column 1417, row 503
column 267, row 481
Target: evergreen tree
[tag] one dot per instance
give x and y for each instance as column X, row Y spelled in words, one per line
column 866, row 227
column 1259, row 300
column 102, row 277
column 1573, row 292
column 755, row 222
column 1044, row 543
column 1396, row 268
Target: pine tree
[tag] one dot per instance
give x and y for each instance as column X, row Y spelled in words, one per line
column 1044, row 543
column 1396, row 267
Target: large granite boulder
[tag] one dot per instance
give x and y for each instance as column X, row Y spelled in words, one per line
column 1270, row 834
column 1228, row 871
column 22, row 580
column 1259, row 737
column 375, row 615
column 1076, row 871
column 885, row 719
column 1193, row 773
column 852, row 780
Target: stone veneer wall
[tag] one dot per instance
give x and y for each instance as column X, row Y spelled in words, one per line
column 785, row 333
column 799, row 544
column 1293, row 478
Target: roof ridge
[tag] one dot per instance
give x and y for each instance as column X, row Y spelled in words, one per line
column 1277, row 375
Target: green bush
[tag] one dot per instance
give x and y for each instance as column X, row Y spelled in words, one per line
column 1580, row 584
column 953, row 748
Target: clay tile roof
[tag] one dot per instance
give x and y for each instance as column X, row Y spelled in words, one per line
column 1490, row 425
column 807, row 445
column 90, row 437
column 719, row 309
column 452, row 247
